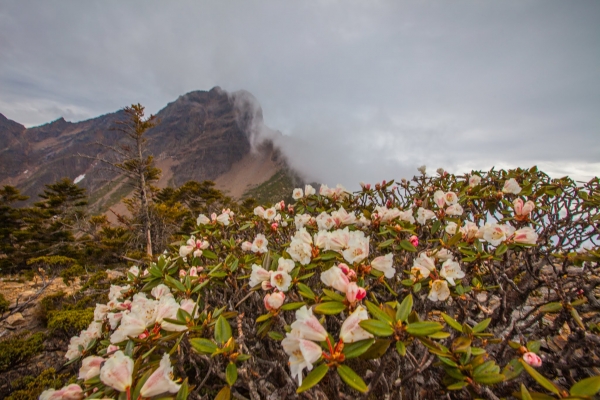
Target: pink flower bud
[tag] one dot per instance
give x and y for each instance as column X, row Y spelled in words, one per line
column 143, row 335
column 274, row 226
column 266, row 285
column 345, row 269
column 273, row 301
column 193, row 271
column 414, row 240
column 532, row 359
column 182, row 273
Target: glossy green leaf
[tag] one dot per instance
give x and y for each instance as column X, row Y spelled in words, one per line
column 423, row 328
column 378, row 349
column 378, row 313
column 224, row 394
column 545, row 383
column 330, row 308
column 452, row 322
column 231, row 374
column 586, row 387
column 313, row 378
column 401, row 348
column 293, row 306
column 376, row 327
column 353, row 350
column 222, row 330
column 551, row 307
column 351, row 378
column 525, row 393
column 404, row 308
column 408, row 246
column 480, row 327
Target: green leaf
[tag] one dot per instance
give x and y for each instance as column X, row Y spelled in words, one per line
column 525, row 393
column 377, row 349
column 401, row 348
column 351, row 378
column 141, row 382
column 423, row 328
column 328, row 255
column 577, row 318
column 385, row 244
column 480, row 327
column 313, row 378
column 534, row 346
column 408, row 246
column 175, row 283
column 305, row 291
column 264, row 317
column 209, row 254
column 224, row 394
column 333, row 295
column 330, row 308
column 586, row 387
column 545, row 383
column 376, row 327
column 353, row 350
column 293, row 306
column 275, row 335
column 452, row 322
column 489, row 378
column 551, row 307
column 204, row 346
column 503, row 248
column 461, row 344
column 378, row 313
column 513, row 369
column 404, row 308
column 454, row 239
column 457, row 386
column 231, row 374
column 436, row 226
column 222, row 330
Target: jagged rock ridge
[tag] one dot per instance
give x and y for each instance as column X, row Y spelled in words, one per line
column 201, row 135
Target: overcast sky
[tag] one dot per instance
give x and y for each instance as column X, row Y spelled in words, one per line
column 365, row 90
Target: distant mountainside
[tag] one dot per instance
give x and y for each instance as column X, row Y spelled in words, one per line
column 203, row 135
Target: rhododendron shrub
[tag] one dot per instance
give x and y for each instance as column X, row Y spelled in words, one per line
column 474, row 286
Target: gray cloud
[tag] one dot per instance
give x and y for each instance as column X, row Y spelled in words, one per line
column 362, row 90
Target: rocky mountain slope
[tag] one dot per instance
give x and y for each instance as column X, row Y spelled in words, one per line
column 203, row 135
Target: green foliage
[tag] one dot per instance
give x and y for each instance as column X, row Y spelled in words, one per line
column 70, row 273
column 30, row 387
column 278, row 187
column 70, row 322
column 19, row 349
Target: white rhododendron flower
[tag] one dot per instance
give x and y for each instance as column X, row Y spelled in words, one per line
column 439, row 198
column 303, row 353
column 334, row 277
column 451, row 228
column 451, row 198
column 246, row 246
column 100, row 312
column 474, row 180
column 450, row 271
column 469, row 231
column 297, row 194
column 495, row 234
column 258, row 275
column 188, row 306
column 422, row 169
column 385, row 265
column 116, row 292
column 302, row 219
column 285, row 265
column 309, row 190
column 324, row 221
column 70, row 392
column 511, row 186
column 341, row 217
column 358, row 247
column 308, row 326
column 525, row 235
column 301, row 247
column 132, row 325
column 425, row 261
column 160, row 381
column 281, row 280
column 90, row 367
column 202, row 220
column 224, row 218
column 443, row 255
column 161, row 290
column 455, row 210
column 259, row 211
column 116, row 372
column 439, row 291
column 259, row 245
column 167, row 308
column 351, row 331
column 423, row 215
column 270, row 214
